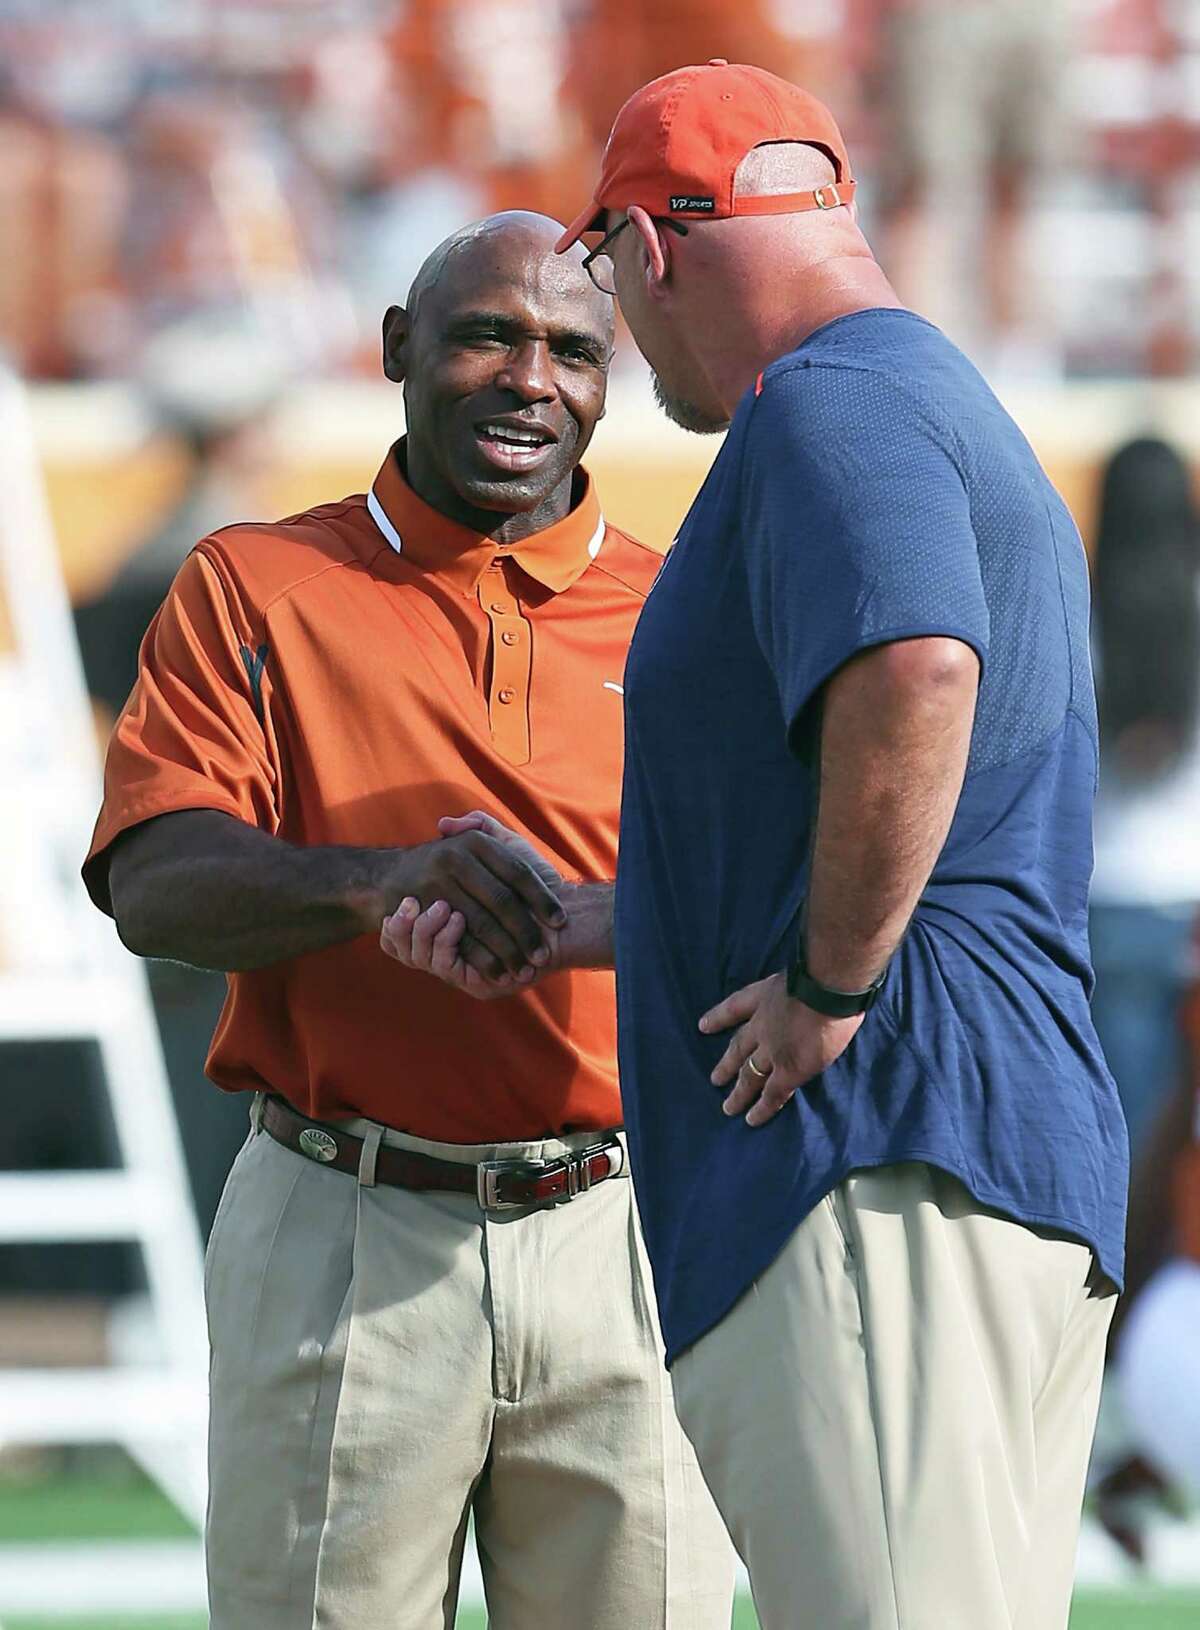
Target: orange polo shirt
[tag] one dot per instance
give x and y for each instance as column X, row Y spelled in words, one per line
column 345, row 677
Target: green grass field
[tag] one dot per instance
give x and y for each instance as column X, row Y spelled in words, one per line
column 87, row 1506
column 96, row 1507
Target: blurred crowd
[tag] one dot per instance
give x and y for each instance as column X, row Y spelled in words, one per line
column 251, row 181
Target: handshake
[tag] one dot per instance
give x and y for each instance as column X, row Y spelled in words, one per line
column 483, row 911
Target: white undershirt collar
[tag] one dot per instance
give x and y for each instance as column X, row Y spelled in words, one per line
column 380, row 516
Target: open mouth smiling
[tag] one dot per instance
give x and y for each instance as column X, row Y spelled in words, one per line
column 514, row 445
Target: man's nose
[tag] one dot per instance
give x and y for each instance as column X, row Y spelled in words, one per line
column 528, row 372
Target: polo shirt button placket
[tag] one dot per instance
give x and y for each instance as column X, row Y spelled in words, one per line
column 512, row 655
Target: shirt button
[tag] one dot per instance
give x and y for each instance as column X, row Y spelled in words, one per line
column 510, row 638
column 507, row 694
column 499, row 607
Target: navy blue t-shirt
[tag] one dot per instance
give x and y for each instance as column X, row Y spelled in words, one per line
column 872, row 490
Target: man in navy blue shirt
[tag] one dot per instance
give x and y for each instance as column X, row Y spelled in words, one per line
column 885, row 1215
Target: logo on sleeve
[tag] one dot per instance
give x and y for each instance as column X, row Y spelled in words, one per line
column 686, row 201
column 254, row 662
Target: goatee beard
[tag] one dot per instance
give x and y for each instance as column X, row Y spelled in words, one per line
column 686, row 414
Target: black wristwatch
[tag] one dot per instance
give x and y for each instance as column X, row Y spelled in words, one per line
column 834, row 1004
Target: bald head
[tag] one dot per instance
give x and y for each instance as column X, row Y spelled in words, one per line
column 519, row 232
column 782, row 167
column 503, row 351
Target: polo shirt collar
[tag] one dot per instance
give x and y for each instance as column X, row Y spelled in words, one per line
column 555, row 557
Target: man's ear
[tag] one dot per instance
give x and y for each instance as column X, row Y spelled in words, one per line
column 654, row 253
column 396, row 330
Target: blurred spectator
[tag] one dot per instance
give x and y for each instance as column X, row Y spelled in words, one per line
column 227, row 226
column 620, row 44
column 1146, row 890
column 973, row 112
column 1145, row 924
column 1158, row 1343
column 63, row 195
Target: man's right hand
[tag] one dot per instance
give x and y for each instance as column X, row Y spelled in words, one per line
column 203, row 887
column 504, row 901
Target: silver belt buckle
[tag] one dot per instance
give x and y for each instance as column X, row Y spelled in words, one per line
column 487, row 1179
column 577, row 1169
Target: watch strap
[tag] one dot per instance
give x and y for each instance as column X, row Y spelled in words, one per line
column 834, row 1004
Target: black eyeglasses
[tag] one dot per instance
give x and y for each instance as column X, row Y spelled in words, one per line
column 599, row 266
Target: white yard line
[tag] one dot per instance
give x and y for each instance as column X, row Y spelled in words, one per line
column 102, row 1578
column 167, row 1576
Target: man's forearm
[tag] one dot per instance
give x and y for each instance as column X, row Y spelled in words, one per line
column 587, row 940
column 203, row 888
column 895, row 734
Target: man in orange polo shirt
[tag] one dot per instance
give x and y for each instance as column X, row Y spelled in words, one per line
column 408, row 1324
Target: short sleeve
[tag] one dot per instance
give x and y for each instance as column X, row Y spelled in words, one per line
column 196, row 732
column 857, row 528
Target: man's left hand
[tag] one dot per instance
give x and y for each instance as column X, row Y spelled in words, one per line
column 431, row 942
column 434, row 939
column 780, row 1045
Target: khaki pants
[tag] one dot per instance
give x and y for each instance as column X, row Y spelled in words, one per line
column 386, row 1364
column 896, row 1418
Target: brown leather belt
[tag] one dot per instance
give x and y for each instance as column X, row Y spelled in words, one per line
column 498, row 1185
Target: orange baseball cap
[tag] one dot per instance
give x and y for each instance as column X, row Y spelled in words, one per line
column 677, row 143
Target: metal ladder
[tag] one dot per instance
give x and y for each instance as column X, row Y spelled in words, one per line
column 65, row 976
